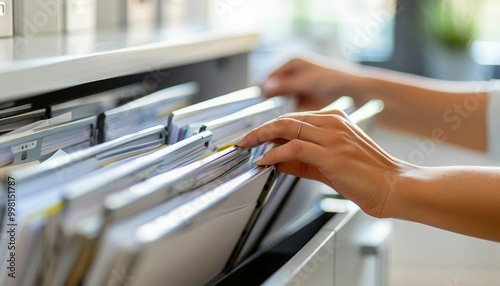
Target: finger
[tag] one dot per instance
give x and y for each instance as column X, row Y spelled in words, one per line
column 303, row 151
column 288, row 68
column 307, row 102
column 335, row 120
column 291, row 84
column 283, row 128
column 331, row 112
column 316, row 119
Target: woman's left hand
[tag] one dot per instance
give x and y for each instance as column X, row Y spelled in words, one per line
column 326, row 146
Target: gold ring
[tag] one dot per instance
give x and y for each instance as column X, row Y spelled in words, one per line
column 300, row 128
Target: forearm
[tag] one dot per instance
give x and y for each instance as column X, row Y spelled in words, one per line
column 423, row 105
column 460, row 199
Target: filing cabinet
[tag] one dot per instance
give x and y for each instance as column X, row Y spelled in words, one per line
column 6, row 21
column 126, row 13
column 329, row 249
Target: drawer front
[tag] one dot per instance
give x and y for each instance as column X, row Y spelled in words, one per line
column 351, row 249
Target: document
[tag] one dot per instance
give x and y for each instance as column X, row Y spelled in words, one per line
column 228, row 128
column 83, row 198
column 187, row 121
column 196, row 177
column 40, row 190
column 63, row 118
column 145, row 112
column 96, row 104
column 67, row 168
column 123, row 174
column 181, row 234
column 170, row 184
column 13, row 122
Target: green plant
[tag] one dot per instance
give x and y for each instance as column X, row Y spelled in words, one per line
column 452, row 22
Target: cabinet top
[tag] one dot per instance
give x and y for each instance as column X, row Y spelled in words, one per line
column 43, row 63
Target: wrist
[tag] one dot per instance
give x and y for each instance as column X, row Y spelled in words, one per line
column 403, row 189
column 363, row 86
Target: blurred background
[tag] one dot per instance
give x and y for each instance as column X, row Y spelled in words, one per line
column 445, row 39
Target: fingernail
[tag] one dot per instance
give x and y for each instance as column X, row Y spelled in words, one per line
column 239, row 140
column 257, row 159
column 270, row 85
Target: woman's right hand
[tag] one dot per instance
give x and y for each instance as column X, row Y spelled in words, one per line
column 326, row 146
column 314, row 85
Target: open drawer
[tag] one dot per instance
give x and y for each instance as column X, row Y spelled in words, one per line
column 339, row 245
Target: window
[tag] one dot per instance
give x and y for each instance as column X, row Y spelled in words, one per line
column 486, row 48
column 366, row 29
column 358, row 29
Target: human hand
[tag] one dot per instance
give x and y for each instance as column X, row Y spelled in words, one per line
column 314, row 85
column 328, row 147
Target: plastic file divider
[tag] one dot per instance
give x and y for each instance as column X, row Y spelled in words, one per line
column 27, row 146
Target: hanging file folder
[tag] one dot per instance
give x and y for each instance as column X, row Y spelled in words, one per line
column 90, row 189
column 142, row 196
column 98, row 103
column 39, row 144
column 228, row 128
column 145, row 112
column 211, row 223
column 187, row 121
column 77, row 164
column 13, row 122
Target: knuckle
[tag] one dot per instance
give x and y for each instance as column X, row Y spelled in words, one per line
column 296, row 60
column 296, row 146
column 283, row 121
column 339, row 113
column 336, row 122
column 339, row 118
column 340, row 139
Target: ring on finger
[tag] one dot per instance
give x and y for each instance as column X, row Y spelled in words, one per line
column 300, row 128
